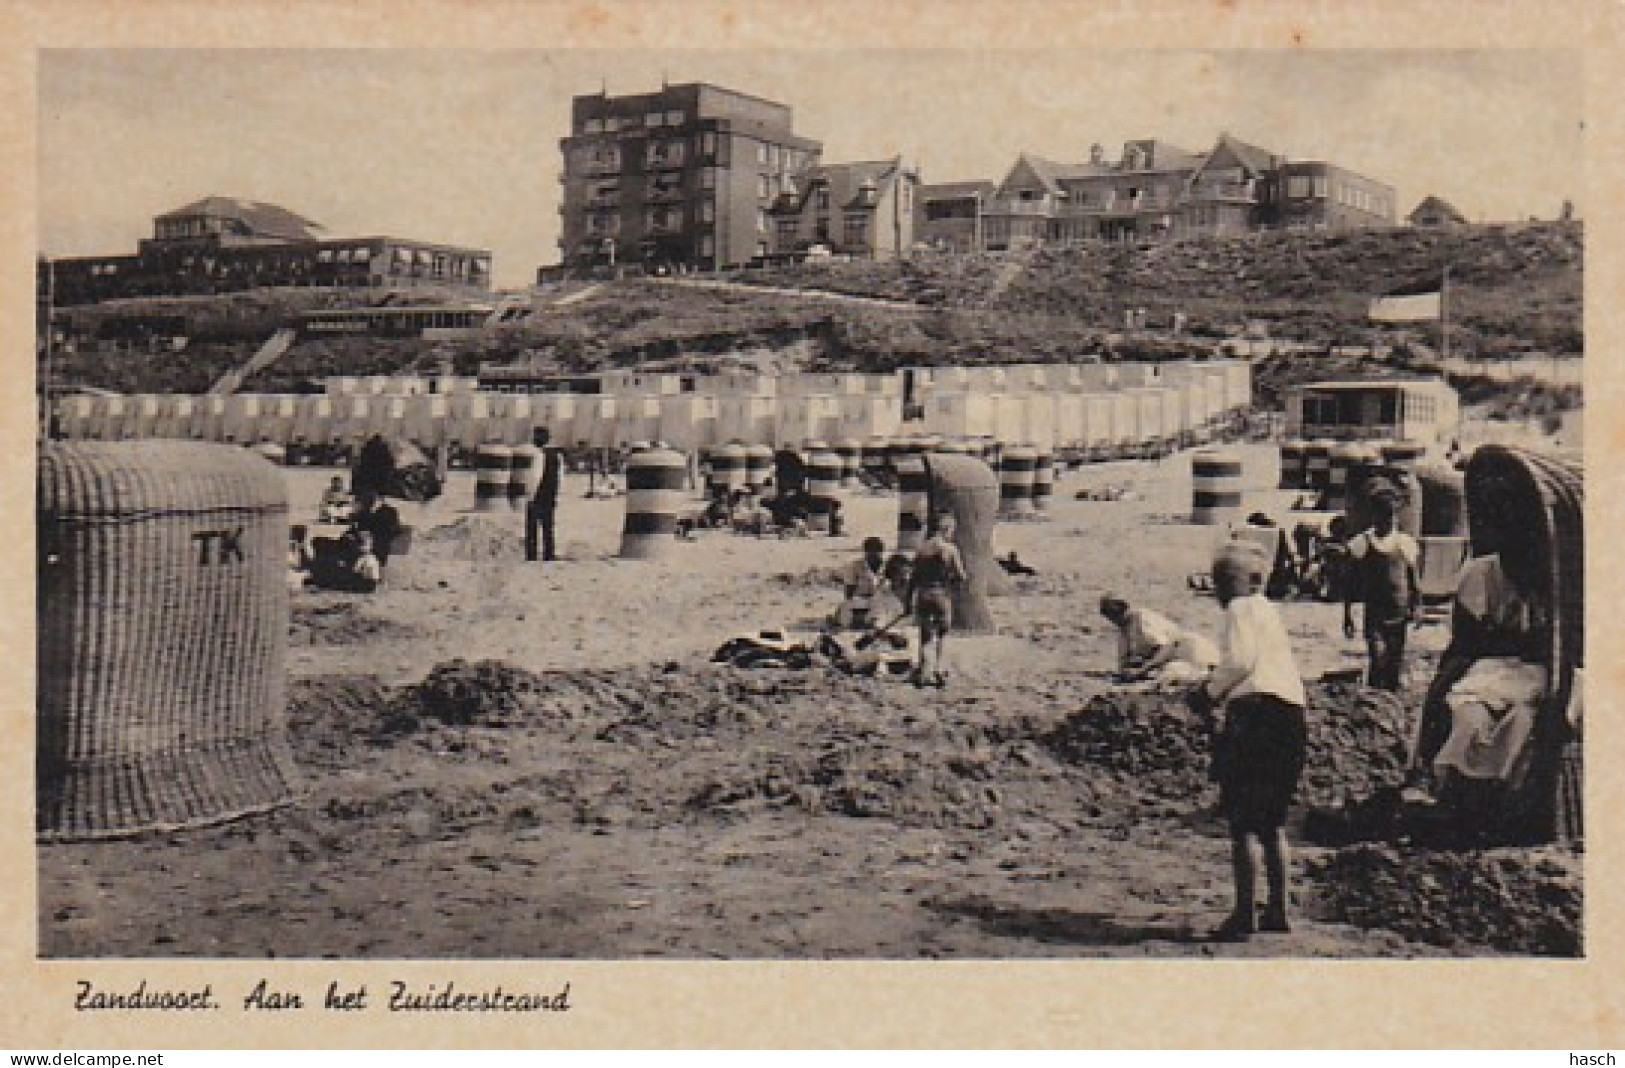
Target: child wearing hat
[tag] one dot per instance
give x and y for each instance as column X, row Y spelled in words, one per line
column 1258, row 753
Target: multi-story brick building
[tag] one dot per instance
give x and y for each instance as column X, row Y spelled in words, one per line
column 683, row 177
column 1154, row 190
column 855, row 209
column 225, row 244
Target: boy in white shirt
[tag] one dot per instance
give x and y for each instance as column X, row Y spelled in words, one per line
column 1258, row 753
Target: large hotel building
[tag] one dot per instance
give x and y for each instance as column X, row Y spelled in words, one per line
column 687, row 176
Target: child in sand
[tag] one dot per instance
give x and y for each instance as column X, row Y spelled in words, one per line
column 1152, row 646
column 1258, row 754
column 1383, row 579
column 938, row 570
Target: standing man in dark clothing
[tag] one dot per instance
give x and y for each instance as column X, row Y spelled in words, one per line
column 544, row 502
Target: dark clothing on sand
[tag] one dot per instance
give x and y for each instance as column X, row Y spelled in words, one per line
column 383, row 522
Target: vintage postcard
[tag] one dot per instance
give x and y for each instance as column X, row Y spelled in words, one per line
column 986, row 523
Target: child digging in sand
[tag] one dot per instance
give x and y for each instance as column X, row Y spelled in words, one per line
column 1258, row 753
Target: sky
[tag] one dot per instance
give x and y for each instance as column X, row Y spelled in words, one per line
column 461, row 147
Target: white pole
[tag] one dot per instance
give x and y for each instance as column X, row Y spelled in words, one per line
column 1444, row 315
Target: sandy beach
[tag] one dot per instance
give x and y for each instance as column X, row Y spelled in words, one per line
column 604, row 791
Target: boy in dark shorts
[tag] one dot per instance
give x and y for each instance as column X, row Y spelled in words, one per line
column 1382, row 577
column 938, row 569
column 1258, row 753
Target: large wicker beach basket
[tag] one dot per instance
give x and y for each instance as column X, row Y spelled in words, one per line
column 162, row 634
column 1533, row 504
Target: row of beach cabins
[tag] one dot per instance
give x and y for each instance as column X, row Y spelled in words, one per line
column 1100, row 409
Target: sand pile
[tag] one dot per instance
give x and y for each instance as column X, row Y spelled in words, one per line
column 1519, row 901
column 332, row 717
column 477, row 538
column 1357, row 742
column 713, row 738
column 485, row 692
column 1150, row 739
column 646, row 745
column 321, row 621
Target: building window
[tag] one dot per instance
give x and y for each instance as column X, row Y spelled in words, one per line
column 594, row 126
column 674, row 118
column 708, row 178
column 708, row 211
column 786, row 233
column 937, row 210
column 764, row 186
column 653, row 119
column 1320, row 187
column 822, row 199
column 708, row 144
column 611, row 124
column 761, row 221
column 1297, row 187
column 856, row 231
column 761, row 152
column 708, row 246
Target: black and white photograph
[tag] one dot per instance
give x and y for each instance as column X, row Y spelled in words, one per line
column 894, row 503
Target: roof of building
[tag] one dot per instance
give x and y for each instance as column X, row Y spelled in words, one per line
column 1432, row 205
column 956, row 190
column 1255, row 159
column 1049, row 173
column 844, row 181
column 1384, row 380
column 1162, row 156
column 680, row 89
column 261, row 219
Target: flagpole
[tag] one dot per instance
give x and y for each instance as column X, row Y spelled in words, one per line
column 1444, row 317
